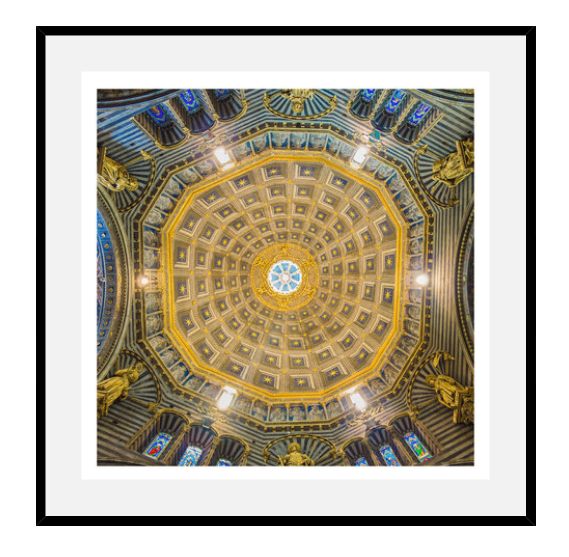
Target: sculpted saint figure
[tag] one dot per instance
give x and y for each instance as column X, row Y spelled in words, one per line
column 453, row 395
column 295, row 458
column 113, row 175
column 455, row 167
column 297, row 97
column 278, row 414
column 117, row 387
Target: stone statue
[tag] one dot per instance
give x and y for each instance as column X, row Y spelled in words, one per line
column 205, row 167
column 455, row 167
column 155, row 218
column 317, row 141
column 417, row 230
column 279, row 139
column 375, row 386
column 189, row 176
column 295, row 458
column 415, row 263
column 413, row 312
column 151, row 259
column 211, row 391
column 164, row 203
column 453, row 395
column 415, row 296
column 412, row 327
column 194, row 383
column 152, row 302
column 113, row 175
column 404, row 199
column 416, row 246
column 170, row 357
column 154, row 324
column 117, row 387
column 278, row 414
column 173, row 188
column 316, row 413
column 399, row 359
column 298, row 140
column 407, row 344
column 334, row 408
column 412, row 213
column 297, row 414
column 241, row 151
column 259, row 411
column 150, row 238
column 158, row 343
column 260, row 143
column 179, row 373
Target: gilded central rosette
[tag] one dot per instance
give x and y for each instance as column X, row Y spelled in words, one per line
column 288, row 253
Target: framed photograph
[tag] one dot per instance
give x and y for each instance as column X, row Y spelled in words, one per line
column 291, row 284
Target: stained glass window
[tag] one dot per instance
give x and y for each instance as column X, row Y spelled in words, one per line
column 191, row 456
column 190, row 101
column 156, row 448
column 285, row 277
column 417, row 447
column 159, row 115
column 389, row 456
column 419, row 114
column 395, row 101
column 221, row 93
column 223, row 462
column 362, row 461
column 367, row 94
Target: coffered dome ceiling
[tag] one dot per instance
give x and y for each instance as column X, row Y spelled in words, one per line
column 357, row 240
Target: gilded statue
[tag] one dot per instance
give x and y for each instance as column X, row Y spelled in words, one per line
column 454, row 396
column 295, row 458
column 298, row 98
column 115, row 388
column 113, row 175
column 455, row 167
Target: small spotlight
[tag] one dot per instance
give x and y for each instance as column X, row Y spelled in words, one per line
column 143, row 281
column 226, row 398
column 358, row 400
column 422, row 280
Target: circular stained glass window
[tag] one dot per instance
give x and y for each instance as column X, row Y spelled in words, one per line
column 285, row 277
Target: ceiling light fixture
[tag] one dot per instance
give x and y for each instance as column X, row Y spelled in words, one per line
column 226, row 398
column 422, row 280
column 143, row 281
column 358, row 400
column 359, row 157
column 223, row 158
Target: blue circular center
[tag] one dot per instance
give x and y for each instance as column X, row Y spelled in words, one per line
column 285, row 277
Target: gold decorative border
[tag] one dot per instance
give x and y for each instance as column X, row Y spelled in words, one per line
column 168, row 264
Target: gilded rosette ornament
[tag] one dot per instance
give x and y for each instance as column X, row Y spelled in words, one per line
column 304, row 288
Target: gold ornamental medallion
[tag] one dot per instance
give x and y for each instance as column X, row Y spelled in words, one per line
column 285, row 277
